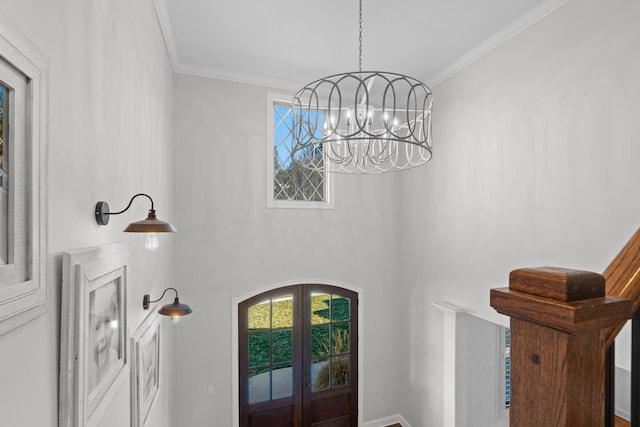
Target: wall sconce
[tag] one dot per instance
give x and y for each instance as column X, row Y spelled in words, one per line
column 151, row 225
column 175, row 310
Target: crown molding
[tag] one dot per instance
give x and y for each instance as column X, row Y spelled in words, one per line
column 525, row 21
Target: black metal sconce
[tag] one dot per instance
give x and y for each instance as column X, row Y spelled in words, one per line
column 175, row 310
column 151, row 225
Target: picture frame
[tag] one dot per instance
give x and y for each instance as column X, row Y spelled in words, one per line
column 94, row 358
column 145, row 369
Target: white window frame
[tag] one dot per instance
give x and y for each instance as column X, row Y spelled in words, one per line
column 329, row 186
column 24, row 300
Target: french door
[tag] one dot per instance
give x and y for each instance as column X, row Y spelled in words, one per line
column 298, row 358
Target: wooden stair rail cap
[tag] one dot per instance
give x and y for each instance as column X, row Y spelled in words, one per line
column 557, row 283
column 568, row 300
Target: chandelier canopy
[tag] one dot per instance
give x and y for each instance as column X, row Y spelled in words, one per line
column 362, row 122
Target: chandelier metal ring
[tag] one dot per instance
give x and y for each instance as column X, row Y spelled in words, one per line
column 362, row 122
column 384, row 125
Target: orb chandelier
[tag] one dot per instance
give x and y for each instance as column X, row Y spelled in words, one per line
column 362, row 122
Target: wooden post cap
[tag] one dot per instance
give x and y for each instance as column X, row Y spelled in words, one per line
column 558, row 284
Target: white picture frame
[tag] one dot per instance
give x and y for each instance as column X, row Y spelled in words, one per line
column 24, row 74
column 145, row 369
column 94, row 358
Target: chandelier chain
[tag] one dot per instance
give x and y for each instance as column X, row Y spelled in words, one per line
column 360, row 39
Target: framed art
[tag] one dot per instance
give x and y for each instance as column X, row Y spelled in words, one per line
column 94, row 338
column 23, row 172
column 145, row 369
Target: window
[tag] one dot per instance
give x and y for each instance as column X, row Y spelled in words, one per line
column 4, row 181
column 22, row 180
column 507, row 368
column 290, row 185
column 503, row 377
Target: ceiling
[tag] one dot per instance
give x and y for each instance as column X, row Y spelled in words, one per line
column 287, row 43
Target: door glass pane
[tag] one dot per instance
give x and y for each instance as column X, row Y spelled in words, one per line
column 341, row 367
column 259, row 348
column 282, row 346
column 282, row 381
column 320, row 308
column 340, row 336
column 259, row 385
column 320, row 341
column 330, row 337
column 259, row 315
column 282, row 312
column 320, row 374
column 340, row 308
column 270, row 349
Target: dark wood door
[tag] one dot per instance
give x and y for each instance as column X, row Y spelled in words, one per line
column 298, row 358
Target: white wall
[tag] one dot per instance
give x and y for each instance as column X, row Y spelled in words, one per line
column 230, row 244
column 536, row 163
column 110, row 137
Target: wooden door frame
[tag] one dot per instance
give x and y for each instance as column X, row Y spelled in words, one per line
column 235, row 366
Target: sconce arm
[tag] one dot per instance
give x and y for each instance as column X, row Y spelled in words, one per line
column 130, row 202
column 102, row 209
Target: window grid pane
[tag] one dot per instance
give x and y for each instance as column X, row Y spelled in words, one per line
column 292, row 182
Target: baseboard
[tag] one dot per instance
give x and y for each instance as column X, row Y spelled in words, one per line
column 387, row 421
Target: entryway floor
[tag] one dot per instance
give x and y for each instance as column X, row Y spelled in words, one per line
column 620, row 422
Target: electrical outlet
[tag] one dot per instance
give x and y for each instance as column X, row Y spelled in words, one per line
column 210, row 390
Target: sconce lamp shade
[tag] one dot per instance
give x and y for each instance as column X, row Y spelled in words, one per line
column 150, row 225
column 176, row 309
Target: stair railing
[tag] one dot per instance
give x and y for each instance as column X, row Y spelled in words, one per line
column 563, row 326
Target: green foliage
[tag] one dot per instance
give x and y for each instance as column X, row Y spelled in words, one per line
column 282, row 346
column 271, row 333
column 340, row 310
column 271, row 314
column 259, row 348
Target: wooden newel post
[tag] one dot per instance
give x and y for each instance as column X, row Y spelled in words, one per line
column 559, row 324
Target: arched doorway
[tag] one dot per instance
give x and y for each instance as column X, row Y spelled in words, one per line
column 298, row 357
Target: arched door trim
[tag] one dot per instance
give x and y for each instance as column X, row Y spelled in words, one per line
column 235, row 301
